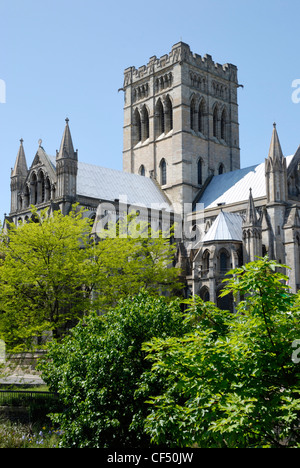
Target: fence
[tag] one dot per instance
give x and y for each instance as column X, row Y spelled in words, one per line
column 26, row 398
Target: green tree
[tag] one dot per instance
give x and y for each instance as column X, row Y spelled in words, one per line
column 42, row 272
column 232, row 382
column 96, row 372
column 52, row 272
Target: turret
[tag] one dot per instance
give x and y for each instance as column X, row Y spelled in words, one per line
column 276, row 172
column 18, row 177
column 66, row 170
column 252, row 232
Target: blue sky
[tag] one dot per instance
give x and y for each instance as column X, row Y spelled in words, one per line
column 66, row 58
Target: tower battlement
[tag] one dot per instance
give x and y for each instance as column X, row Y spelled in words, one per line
column 180, row 53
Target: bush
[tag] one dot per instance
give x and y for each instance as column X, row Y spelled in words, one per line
column 96, row 372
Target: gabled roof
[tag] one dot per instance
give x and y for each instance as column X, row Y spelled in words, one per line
column 110, row 184
column 234, row 186
column 226, row 227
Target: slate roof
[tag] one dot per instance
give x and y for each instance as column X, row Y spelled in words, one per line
column 110, row 184
column 226, row 227
column 234, row 186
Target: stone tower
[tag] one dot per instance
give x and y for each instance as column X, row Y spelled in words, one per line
column 66, row 171
column 181, row 122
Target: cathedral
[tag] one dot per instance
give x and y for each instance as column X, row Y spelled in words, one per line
column 180, row 149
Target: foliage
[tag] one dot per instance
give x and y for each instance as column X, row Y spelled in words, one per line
column 96, row 371
column 231, row 382
column 41, row 274
column 132, row 256
column 53, row 272
column 17, row 435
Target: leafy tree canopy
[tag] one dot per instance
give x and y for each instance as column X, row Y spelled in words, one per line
column 97, row 369
column 52, row 272
column 232, row 382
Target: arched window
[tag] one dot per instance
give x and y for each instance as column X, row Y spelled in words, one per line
column 168, row 114
column 41, row 187
column 142, row 170
column 201, row 118
column 204, row 294
column 33, row 189
column 163, row 172
column 145, row 131
column 159, row 118
column 137, row 127
column 206, row 257
column 215, row 122
column 221, row 169
column 192, row 114
column 223, row 262
column 223, row 125
column 199, row 171
column 47, row 189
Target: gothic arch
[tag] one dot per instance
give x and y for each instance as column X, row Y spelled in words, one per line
column 201, row 116
column 33, row 189
column 204, row 294
column 193, row 112
column 205, row 260
column 41, row 187
column 200, row 164
column 221, row 169
column 137, row 127
column 224, row 121
column 224, row 257
column 142, row 171
column 47, row 189
column 159, row 118
column 145, row 133
column 216, row 121
column 163, row 172
column 168, row 108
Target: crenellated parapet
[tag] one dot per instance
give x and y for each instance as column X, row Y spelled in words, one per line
column 180, row 53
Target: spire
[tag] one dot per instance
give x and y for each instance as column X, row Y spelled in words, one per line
column 20, row 168
column 251, row 214
column 276, row 171
column 275, row 151
column 66, row 147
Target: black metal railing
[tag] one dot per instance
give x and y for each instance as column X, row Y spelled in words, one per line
column 25, row 397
